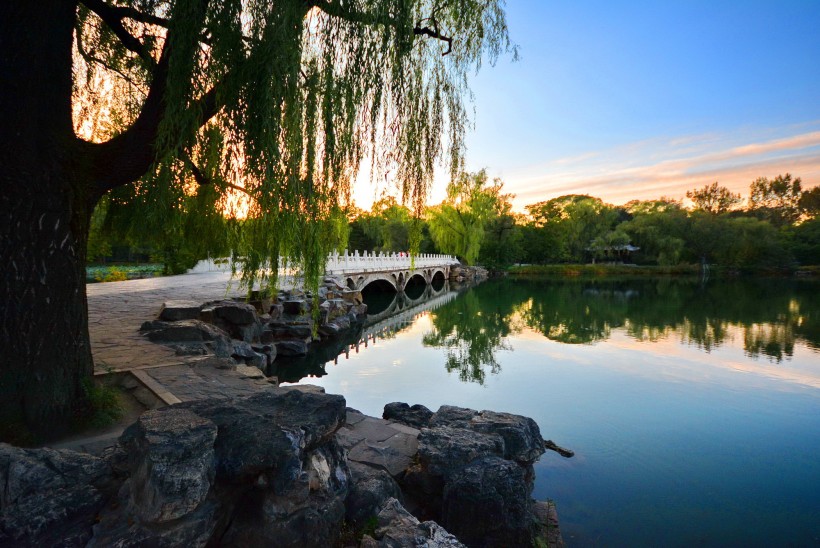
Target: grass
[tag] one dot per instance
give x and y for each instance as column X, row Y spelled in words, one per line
column 104, row 408
column 117, row 273
column 601, row 271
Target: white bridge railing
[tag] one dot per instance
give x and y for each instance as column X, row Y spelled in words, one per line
column 352, row 263
column 348, row 263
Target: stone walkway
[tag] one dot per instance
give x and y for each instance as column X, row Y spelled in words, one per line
column 116, row 310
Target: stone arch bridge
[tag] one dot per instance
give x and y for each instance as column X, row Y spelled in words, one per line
column 357, row 271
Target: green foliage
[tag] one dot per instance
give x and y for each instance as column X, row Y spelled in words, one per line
column 471, row 334
column 270, row 109
column 572, row 223
column 809, row 203
column 804, row 242
column 776, row 201
column 99, row 242
column 458, row 224
column 714, row 199
column 111, row 273
column 104, row 407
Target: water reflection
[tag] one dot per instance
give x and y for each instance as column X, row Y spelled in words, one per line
column 771, row 315
column 389, row 313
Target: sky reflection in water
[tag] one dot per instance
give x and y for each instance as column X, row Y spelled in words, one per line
column 694, row 410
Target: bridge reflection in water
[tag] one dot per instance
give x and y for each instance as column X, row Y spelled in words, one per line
column 388, row 319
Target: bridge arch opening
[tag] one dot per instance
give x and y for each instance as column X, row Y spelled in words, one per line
column 415, row 286
column 378, row 295
column 438, row 280
column 351, row 284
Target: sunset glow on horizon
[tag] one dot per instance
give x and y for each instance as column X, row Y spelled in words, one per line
column 624, row 101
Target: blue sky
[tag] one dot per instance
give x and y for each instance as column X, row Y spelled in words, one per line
column 627, row 100
column 641, row 99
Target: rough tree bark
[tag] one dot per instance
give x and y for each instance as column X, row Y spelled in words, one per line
column 44, row 214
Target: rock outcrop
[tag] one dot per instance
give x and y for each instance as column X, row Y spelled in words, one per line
column 475, row 475
column 285, row 467
column 254, row 333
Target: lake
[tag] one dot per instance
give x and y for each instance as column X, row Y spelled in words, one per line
column 693, row 408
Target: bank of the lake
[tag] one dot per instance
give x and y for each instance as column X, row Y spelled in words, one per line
column 625, row 271
column 693, row 407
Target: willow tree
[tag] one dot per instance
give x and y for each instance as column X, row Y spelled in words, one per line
column 277, row 100
column 457, row 224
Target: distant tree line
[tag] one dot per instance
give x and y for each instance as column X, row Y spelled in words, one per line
column 776, row 227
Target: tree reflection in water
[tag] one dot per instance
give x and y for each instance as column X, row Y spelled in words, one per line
column 473, row 328
column 770, row 315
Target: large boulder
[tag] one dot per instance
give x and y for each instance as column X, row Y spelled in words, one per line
column 398, row 528
column 474, row 475
column 417, row 416
column 49, row 497
column 182, row 331
column 370, row 489
column 521, row 435
column 172, row 463
column 291, row 348
column 487, row 503
column 254, row 471
column 445, row 450
column 239, row 319
column 173, row 311
column 265, row 437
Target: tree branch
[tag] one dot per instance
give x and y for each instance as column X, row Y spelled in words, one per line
column 434, row 33
column 93, row 59
column 202, row 180
column 113, row 16
column 334, row 8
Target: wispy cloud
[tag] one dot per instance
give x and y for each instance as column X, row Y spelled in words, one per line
column 671, row 166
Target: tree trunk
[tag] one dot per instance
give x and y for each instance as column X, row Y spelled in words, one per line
column 45, row 352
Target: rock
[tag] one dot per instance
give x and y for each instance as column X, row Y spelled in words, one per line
column 564, row 452
column 295, row 307
column 522, row 437
column 275, row 311
column 172, row 463
column 195, row 530
column 281, row 442
column 182, row 331
column 549, row 530
column 244, row 353
column 249, row 371
column 173, row 311
column 236, row 318
column 397, row 528
column 291, row 331
column 342, row 322
column 416, row 416
column 352, row 296
column 233, row 312
column 370, row 489
column 291, row 348
column 488, row 504
column 449, row 415
column 49, row 497
column 268, row 433
column 444, row 450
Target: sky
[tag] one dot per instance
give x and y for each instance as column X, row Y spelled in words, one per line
column 641, row 99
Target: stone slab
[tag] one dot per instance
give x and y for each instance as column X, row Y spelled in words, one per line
column 381, row 456
column 375, row 429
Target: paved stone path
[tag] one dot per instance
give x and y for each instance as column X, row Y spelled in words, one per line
column 116, row 310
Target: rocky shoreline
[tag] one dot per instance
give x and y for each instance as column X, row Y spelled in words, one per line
column 288, row 466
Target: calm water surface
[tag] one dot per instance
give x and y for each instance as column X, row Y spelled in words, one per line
column 693, row 409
